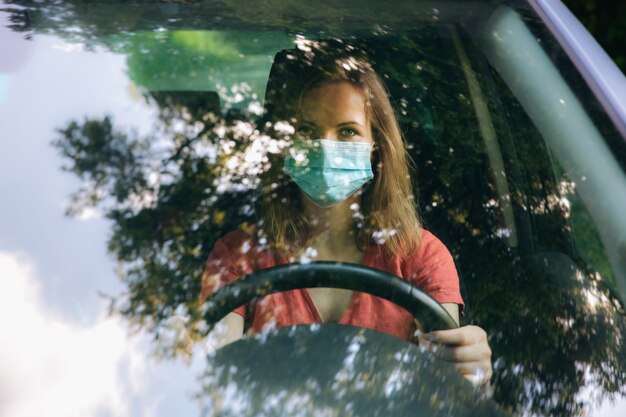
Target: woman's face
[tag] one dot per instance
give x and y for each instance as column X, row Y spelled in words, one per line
column 334, row 112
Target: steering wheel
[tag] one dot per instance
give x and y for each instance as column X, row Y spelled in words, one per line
column 332, row 369
column 423, row 307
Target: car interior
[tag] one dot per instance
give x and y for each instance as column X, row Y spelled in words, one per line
column 518, row 170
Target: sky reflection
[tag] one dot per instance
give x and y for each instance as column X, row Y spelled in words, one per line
column 60, row 353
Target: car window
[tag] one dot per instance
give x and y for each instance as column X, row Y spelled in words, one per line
column 136, row 141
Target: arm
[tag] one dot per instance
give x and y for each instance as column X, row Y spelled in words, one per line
column 220, row 270
column 227, row 330
column 466, row 347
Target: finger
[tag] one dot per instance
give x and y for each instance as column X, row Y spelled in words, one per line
column 466, row 335
column 477, row 372
column 470, row 353
column 478, row 379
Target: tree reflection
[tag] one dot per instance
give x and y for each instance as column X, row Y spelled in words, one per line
column 353, row 372
column 168, row 199
column 554, row 325
column 556, row 330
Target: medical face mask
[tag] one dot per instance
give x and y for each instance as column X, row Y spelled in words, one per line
column 328, row 171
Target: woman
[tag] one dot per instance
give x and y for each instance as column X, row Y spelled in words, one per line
column 341, row 192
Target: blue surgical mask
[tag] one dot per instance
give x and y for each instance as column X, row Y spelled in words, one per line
column 328, row 171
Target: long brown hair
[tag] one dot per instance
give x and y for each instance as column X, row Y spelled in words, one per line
column 387, row 216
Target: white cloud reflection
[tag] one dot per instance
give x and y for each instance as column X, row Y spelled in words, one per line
column 50, row 367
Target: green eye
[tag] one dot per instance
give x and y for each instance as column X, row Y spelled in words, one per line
column 346, row 131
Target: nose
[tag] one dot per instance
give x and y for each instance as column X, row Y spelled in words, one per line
column 329, row 133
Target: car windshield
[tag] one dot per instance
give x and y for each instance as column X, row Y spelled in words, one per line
column 139, row 138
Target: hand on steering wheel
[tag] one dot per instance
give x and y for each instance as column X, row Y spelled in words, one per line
column 294, row 359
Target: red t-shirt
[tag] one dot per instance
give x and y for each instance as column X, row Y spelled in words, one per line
column 431, row 268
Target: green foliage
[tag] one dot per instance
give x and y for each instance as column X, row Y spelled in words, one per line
column 194, row 60
column 544, row 356
column 167, row 206
column 533, row 299
column 108, row 162
column 198, row 55
column 553, row 325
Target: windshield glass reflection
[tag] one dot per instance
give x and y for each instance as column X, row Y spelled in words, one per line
column 185, row 166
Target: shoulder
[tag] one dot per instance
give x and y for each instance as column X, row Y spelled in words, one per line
column 238, row 241
column 432, row 268
column 233, row 255
column 430, row 245
column 431, row 255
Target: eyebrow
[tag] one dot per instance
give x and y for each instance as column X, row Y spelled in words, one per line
column 350, row 123
column 346, row 123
